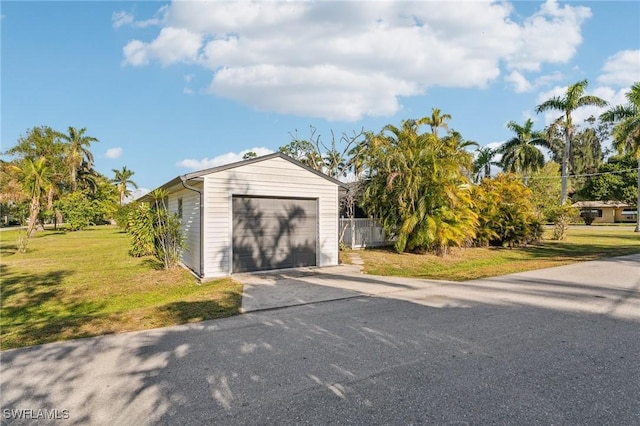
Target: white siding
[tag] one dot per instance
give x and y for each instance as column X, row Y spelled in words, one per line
column 190, row 223
column 274, row 177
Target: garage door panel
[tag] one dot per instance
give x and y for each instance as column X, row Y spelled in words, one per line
column 272, row 233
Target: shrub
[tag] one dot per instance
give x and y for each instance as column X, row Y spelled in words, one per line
column 169, row 240
column 22, row 241
column 155, row 231
column 561, row 217
column 140, row 229
column 77, row 209
column 121, row 215
column 506, row 214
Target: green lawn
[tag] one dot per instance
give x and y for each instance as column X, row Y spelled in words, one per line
column 466, row 264
column 81, row 284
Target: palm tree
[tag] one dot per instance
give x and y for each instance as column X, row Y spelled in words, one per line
column 121, row 180
column 436, row 121
column 626, row 134
column 77, row 151
column 573, row 99
column 521, row 154
column 417, row 189
column 483, row 162
column 35, row 179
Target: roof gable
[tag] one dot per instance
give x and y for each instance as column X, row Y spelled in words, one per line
column 229, row 166
column 178, row 180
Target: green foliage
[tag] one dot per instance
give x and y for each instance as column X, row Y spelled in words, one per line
column 78, row 210
column 140, row 229
column 249, row 155
column 545, row 189
column 122, row 180
column 521, row 153
column 106, row 198
column 617, row 183
column 506, row 214
column 83, row 208
column 334, row 159
column 303, row 151
column 121, row 215
column 565, row 105
column 168, row 235
column 47, row 166
column 417, row 190
column 483, row 162
column 562, row 216
column 34, row 177
column 154, row 231
column 77, row 152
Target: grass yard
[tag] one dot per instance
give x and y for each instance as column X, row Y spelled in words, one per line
column 466, row 264
column 81, row 284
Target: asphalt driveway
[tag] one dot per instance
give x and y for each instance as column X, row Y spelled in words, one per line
column 557, row 346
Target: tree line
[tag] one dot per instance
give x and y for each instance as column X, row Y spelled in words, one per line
column 428, row 189
column 50, row 175
column 427, row 184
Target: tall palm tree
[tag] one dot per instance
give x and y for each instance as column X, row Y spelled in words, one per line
column 626, row 133
column 122, row 180
column 77, row 151
column 35, row 178
column 573, row 99
column 436, row 121
column 483, row 162
column 521, row 153
column 456, row 143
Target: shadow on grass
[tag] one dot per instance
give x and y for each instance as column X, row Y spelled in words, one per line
column 8, row 249
column 182, row 312
column 36, row 288
column 579, row 251
column 35, row 309
column 153, row 263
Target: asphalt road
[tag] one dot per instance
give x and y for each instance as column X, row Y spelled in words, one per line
column 560, row 346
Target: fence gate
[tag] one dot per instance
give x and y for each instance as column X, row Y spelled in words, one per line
column 365, row 233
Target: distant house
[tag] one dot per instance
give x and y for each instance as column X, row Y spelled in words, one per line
column 269, row 212
column 606, row 211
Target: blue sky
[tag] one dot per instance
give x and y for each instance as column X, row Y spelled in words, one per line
column 169, row 88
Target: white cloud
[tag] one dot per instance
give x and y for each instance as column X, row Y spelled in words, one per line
column 171, row 46
column 345, row 60
column 135, row 194
column 121, row 18
column 621, row 69
column 551, row 35
column 113, row 153
column 323, row 91
column 118, row 19
column 220, row 160
column 187, row 80
column 518, row 81
column 520, row 84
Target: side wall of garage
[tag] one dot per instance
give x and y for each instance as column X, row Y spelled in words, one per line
column 190, row 220
column 275, row 177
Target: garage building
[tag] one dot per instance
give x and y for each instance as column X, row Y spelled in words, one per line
column 269, row 212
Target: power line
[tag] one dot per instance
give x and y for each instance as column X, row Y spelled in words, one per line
column 586, row 174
